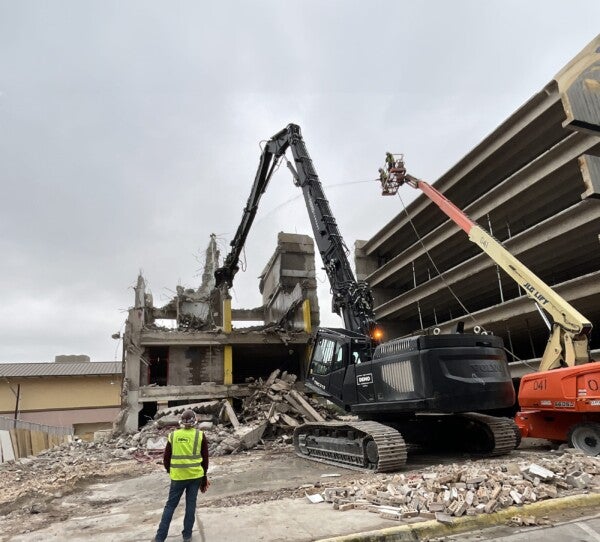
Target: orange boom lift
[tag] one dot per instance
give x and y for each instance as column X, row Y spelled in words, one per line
column 560, row 402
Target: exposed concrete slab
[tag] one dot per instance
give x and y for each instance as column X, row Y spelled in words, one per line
column 159, row 338
column 208, row 390
column 590, row 171
column 579, row 85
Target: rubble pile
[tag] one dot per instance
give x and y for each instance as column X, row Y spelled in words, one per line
column 279, row 402
column 267, row 417
column 55, row 472
column 446, row 492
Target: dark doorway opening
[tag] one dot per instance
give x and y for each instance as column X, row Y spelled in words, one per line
column 147, row 413
column 158, row 368
column 259, row 361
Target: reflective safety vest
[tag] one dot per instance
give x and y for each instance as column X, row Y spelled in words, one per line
column 186, row 457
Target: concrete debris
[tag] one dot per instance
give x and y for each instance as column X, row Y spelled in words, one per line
column 206, row 407
column 314, row 498
column 268, row 415
column 55, row 472
column 156, row 443
column 250, row 435
column 542, row 473
column 446, row 492
column 264, row 420
column 231, row 415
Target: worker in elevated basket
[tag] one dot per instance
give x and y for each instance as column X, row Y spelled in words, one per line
column 186, row 461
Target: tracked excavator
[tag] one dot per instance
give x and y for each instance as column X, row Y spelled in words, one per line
column 426, row 390
column 561, row 401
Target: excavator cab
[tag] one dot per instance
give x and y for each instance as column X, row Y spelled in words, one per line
column 332, row 369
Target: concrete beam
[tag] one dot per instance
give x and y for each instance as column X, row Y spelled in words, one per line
column 590, row 171
column 188, row 338
column 203, row 392
column 244, row 315
column 579, row 86
column 523, row 307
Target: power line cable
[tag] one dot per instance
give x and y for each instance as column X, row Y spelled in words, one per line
column 443, row 278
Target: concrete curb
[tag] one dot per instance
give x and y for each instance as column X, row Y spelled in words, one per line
column 434, row 529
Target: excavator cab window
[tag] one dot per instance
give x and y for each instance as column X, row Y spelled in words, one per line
column 328, row 356
column 338, row 358
column 361, row 352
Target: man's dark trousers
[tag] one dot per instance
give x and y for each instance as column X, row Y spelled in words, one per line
column 177, row 488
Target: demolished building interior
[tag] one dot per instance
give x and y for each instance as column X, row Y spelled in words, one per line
column 201, row 355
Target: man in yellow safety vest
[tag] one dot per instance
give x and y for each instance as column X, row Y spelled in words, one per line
column 186, row 461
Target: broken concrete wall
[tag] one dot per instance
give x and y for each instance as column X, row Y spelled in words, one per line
column 132, row 359
column 179, row 367
column 185, row 365
column 289, row 278
column 194, row 365
column 196, row 309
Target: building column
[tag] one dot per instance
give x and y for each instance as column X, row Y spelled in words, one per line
column 227, row 349
column 132, row 356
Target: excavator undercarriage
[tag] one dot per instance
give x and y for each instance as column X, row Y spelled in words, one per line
column 378, row 447
column 361, row 445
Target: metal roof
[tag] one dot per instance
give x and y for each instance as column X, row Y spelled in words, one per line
column 89, row 368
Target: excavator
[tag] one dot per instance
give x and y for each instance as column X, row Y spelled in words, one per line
column 429, row 390
column 561, row 401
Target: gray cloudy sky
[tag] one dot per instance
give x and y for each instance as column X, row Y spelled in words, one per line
column 129, row 133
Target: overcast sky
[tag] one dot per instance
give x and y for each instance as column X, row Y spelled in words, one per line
column 129, row 132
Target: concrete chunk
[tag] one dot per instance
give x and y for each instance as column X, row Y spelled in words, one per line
column 310, row 412
column 231, row 414
column 250, row 436
column 541, row 472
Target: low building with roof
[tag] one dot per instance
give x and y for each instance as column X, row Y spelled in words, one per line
column 71, row 392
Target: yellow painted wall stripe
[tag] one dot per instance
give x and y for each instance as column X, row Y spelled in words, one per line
column 227, row 364
column 306, row 316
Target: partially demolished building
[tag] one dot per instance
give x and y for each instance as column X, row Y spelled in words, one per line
column 534, row 183
column 200, row 354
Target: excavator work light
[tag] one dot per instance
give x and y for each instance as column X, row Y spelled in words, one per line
column 377, row 334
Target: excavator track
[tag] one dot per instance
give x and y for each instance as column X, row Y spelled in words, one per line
column 362, row 445
column 502, row 433
column 468, row 432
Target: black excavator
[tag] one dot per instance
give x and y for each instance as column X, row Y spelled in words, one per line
column 429, row 390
